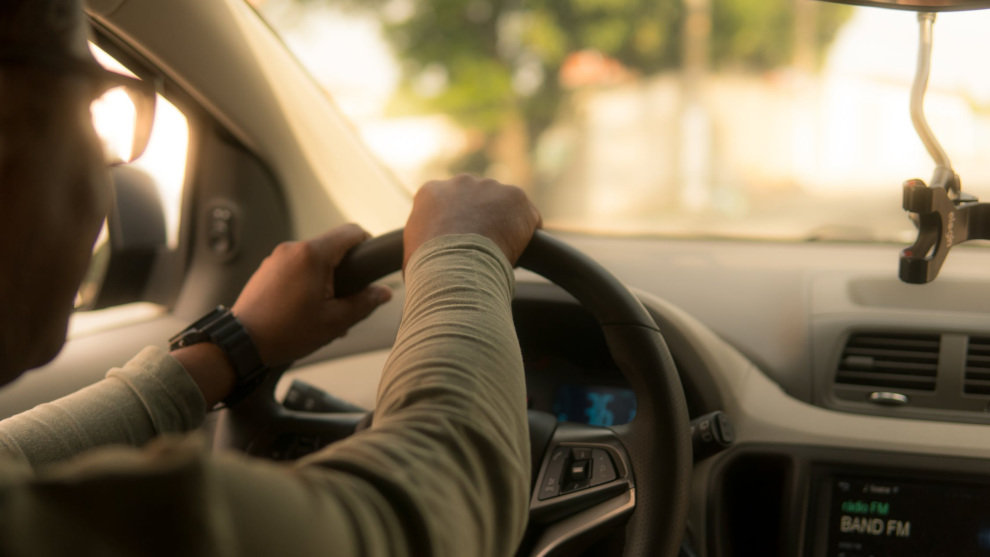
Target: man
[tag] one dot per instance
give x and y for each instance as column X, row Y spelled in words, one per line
column 444, row 470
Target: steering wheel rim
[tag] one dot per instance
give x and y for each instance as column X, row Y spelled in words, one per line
column 655, row 446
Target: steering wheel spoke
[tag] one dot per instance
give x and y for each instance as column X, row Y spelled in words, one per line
column 581, row 466
column 584, row 486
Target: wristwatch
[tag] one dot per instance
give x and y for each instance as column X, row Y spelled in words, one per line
column 221, row 328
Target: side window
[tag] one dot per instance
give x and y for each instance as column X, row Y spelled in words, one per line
column 140, row 237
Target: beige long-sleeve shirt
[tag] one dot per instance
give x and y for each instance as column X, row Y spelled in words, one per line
column 444, row 470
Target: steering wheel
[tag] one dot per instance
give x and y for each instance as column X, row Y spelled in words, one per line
column 586, row 480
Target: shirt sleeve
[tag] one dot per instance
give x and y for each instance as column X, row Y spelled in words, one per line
column 444, row 469
column 150, row 395
column 450, row 434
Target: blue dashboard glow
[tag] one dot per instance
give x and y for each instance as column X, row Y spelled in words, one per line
column 600, row 406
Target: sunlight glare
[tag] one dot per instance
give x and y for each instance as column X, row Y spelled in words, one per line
column 114, row 118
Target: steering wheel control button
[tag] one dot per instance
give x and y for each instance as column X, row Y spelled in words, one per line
column 710, row 434
column 580, row 453
column 603, row 470
column 580, row 470
column 575, row 468
column 555, row 473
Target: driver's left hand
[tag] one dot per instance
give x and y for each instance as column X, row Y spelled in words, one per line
column 289, row 307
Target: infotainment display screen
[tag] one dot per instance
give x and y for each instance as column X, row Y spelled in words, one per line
column 888, row 517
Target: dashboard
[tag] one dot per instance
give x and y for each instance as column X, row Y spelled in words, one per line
column 760, row 331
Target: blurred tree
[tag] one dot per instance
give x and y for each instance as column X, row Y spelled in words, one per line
column 759, row 34
column 495, row 65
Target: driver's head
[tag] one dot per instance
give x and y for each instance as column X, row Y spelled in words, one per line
column 54, row 185
column 55, row 26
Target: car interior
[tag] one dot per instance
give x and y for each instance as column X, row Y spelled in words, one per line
column 706, row 382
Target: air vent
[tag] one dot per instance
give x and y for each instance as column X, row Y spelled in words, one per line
column 892, row 361
column 978, row 366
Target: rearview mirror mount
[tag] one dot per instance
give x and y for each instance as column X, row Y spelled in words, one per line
column 944, row 215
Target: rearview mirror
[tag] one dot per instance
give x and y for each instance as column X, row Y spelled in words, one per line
column 922, row 5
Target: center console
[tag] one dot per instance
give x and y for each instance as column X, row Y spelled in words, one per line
column 843, row 503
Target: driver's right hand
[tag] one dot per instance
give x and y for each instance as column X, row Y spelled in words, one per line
column 469, row 205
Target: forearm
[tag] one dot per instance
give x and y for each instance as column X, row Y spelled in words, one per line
column 450, row 430
column 150, row 395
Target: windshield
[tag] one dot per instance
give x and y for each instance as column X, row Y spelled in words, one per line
column 778, row 119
